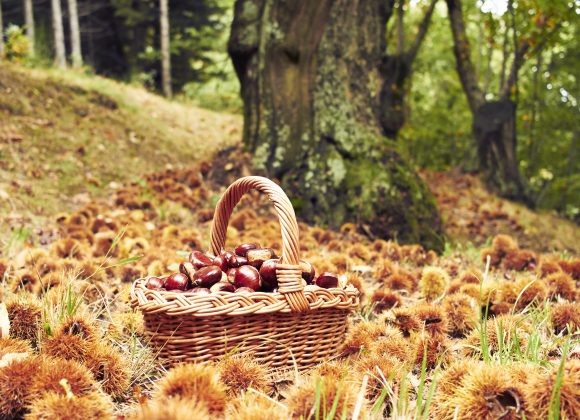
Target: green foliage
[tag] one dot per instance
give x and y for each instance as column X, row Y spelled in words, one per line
column 438, row 132
column 17, row 45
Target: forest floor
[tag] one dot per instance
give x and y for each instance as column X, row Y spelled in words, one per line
column 67, row 137
column 102, row 184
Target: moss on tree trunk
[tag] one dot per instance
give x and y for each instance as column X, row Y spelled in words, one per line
column 310, row 77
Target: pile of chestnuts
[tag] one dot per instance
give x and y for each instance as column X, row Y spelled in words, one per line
column 248, row 269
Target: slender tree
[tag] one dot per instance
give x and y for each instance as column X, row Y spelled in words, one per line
column 58, row 34
column 494, row 121
column 165, row 51
column 29, row 21
column 397, row 68
column 310, row 72
column 2, row 48
column 75, row 33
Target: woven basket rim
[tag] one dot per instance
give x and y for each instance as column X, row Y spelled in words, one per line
column 236, row 304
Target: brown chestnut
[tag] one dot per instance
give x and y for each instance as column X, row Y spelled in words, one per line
column 222, row 286
column 308, row 272
column 247, row 276
column 155, row 283
column 243, row 249
column 268, row 274
column 199, row 259
column 327, row 280
column 200, row 291
column 188, row 269
column 231, row 275
column 244, row 290
column 256, row 257
column 235, row 261
column 207, row 276
column 222, row 261
column 177, row 281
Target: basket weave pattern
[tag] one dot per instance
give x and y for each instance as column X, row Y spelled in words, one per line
column 298, row 324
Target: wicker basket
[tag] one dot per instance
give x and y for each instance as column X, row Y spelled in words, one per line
column 301, row 325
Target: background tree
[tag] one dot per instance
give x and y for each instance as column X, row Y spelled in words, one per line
column 29, row 22
column 309, row 74
column 494, row 120
column 75, row 34
column 58, row 33
column 397, row 67
column 165, row 48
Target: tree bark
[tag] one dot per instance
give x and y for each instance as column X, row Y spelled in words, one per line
column 75, row 33
column 165, row 51
column 29, row 22
column 310, row 77
column 58, row 33
column 2, row 48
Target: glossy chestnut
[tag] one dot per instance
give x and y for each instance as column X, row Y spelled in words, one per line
column 268, row 274
column 222, row 261
column 188, row 269
column 257, row 257
column 308, row 272
column 221, row 286
column 155, row 283
column 247, row 276
column 327, row 280
column 177, row 281
column 243, row 249
column 235, row 261
column 199, row 259
column 207, row 276
column 231, row 275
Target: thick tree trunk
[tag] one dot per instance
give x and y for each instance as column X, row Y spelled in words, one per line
column 29, row 22
column 58, row 33
column 75, row 33
column 165, row 52
column 310, row 79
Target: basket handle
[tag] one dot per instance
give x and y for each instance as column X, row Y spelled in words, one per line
column 288, row 271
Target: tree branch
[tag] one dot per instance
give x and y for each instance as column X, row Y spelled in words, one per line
column 516, row 65
column 422, row 32
column 462, row 52
column 400, row 27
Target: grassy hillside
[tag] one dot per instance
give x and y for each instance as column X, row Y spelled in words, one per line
column 68, row 137
column 65, row 136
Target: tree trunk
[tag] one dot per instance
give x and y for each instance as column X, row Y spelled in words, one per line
column 310, row 80
column 75, row 33
column 494, row 127
column 165, row 52
column 29, row 22
column 58, row 33
column 392, row 112
column 2, row 49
